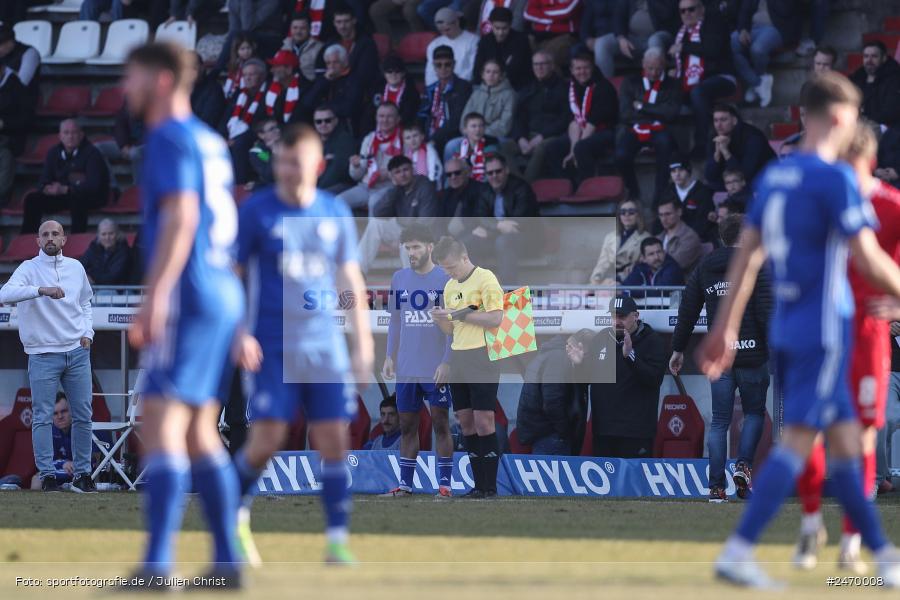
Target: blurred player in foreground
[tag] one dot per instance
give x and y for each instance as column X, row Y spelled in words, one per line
column 298, row 246
column 810, row 330
column 418, row 354
column 870, row 368
column 191, row 308
column 473, row 302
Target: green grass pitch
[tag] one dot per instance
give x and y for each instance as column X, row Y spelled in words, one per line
column 425, row 548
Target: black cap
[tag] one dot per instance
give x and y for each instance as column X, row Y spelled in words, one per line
column 680, row 163
column 624, row 305
column 393, row 63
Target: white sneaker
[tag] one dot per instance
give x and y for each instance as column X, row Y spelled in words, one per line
column 889, row 568
column 764, row 90
column 806, row 554
column 849, row 556
column 806, row 47
column 744, row 573
column 750, row 96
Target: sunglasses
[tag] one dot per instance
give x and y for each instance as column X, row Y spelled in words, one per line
column 453, row 173
column 324, row 121
column 493, row 172
column 688, row 9
column 627, row 211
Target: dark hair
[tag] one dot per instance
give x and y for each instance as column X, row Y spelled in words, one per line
column 447, row 247
column 731, row 206
column 442, row 52
column 828, row 51
column 876, row 44
column 301, row 16
column 581, row 53
column 728, row 172
column 497, row 62
column 296, row 133
column 60, row 396
column 417, row 233
column 823, row 91
column 166, row 56
column 495, row 156
column 414, row 125
column 501, row 14
column 236, row 42
column 730, row 228
column 398, row 161
column 472, row 115
column 390, row 401
column 342, row 8
column 392, row 105
column 726, row 107
column 649, row 241
column 324, row 107
column 673, row 200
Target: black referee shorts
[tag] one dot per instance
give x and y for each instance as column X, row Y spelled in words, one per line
column 474, row 379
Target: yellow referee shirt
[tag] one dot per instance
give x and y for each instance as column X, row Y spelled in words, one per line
column 480, row 289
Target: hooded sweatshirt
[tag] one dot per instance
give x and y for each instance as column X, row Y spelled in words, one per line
column 45, row 324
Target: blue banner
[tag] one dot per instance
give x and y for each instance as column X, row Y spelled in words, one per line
column 376, row 472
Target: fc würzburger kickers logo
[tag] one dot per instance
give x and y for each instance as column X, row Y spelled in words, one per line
column 676, row 425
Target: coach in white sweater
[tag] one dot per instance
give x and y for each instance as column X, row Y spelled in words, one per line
column 53, row 298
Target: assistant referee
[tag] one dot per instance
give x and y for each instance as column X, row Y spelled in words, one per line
column 473, row 302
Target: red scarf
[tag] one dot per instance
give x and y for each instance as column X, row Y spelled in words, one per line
column 419, row 157
column 437, row 108
column 690, row 68
column 290, row 97
column 475, row 157
column 394, row 146
column 316, row 13
column 651, row 91
column 235, row 81
column 244, row 108
column 581, row 113
column 392, row 94
column 490, row 5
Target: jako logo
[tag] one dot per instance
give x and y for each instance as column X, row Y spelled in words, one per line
column 744, row 345
column 676, row 425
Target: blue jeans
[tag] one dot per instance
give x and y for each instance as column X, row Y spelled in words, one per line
column 552, row 445
column 753, row 382
column 45, row 373
column 92, row 9
column 753, row 61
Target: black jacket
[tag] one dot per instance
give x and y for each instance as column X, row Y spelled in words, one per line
column 714, row 47
column 785, row 15
column 514, row 53
column 696, row 207
column 409, row 104
column 84, row 171
column 599, row 18
column 338, row 149
column 550, row 398
column 466, row 202
column 604, row 111
column 108, row 267
column 664, row 15
column 518, row 201
column 16, row 111
column 208, row 100
column 665, row 109
column 128, row 130
column 750, row 152
column 625, row 402
column 542, row 108
column 706, row 285
column 881, row 98
column 261, row 161
column 343, row 94
column 363, row 58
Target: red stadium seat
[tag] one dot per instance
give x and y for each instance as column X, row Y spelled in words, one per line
column 680, row 429
column 888, row 39
column 109, row 102
column 892, row 24
column 587, row 445
column 77, row 244
column 781, row 131
column 128, row 203
column 597, row 189
column 515, row 446
column 66, row 101
column 38, row 151
column 16, row 206
column 549, row 191
column 16, row 452
column 130, row 237
column 383, row 42
column 854, row 61
column 296, row 439
column 794, row 113
column 414, row 46
column 22, row 247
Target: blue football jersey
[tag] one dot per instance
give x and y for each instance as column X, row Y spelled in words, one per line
column 807, row 209
column 292, row 256
column 414, row 340
column 188, row 156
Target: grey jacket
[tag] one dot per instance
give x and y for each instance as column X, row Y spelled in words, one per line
column 495, row 104
column 417, row 205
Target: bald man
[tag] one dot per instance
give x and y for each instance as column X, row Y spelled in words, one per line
column 53, row 298
column 75, row 179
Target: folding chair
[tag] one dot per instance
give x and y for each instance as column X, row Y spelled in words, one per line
column 124, row 428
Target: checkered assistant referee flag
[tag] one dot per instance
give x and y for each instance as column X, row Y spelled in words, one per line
column 516, row 332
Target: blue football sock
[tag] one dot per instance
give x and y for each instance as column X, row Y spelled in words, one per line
column 407, row 471
column 248, row 476
column 166, row 482
column 216, row 482
column 336, row 500
column 847, row 477
column 775, row 482
column 445, row 470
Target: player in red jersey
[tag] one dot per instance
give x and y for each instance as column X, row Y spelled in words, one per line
column 870, row 367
